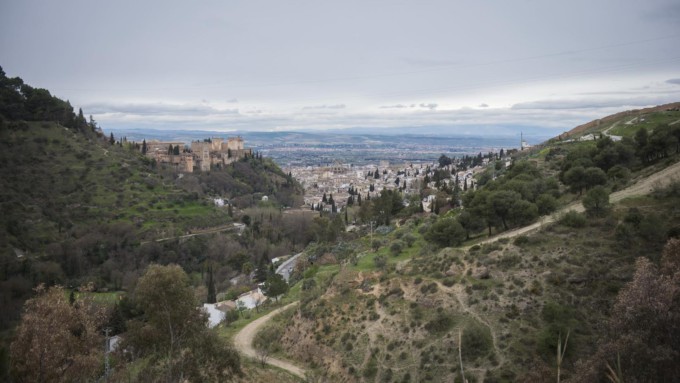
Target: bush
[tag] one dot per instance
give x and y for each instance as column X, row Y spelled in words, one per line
column 476, row 340
column 521, row 240
column 573, row 219
column 396, row 248
column 380, row 262
column 440, row 324
column 409, row 239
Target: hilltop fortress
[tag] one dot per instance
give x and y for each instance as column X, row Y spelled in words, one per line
column 200, row 155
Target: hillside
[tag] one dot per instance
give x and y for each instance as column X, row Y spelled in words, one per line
column 77, row 204
column 390, row 304
column 667, row 113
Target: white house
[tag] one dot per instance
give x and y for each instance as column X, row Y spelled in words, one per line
column 251, row 299
column 215, row 316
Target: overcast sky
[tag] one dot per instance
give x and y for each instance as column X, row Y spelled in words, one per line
column 299, row 65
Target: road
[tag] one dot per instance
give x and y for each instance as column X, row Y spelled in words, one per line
column 243, row 341
column 641, row 187
column 286, row 267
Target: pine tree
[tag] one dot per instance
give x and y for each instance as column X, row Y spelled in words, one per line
column 359, row 199
column 111, row 139
column 324, row 199
column 144, row 148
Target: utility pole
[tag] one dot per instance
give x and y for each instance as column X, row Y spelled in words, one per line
column 107, row 344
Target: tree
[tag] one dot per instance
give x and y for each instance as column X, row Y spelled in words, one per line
column 523, row 212
column 596, row 201
column 446, row 232
column 644, row 326
column 575, row 178
column 57, row 341
column 212, row 295
column 111, row 139
column 594, row 176
column 470, row 222
column 546, row 204
column 173, row 332
column 144, row 147
column 501, row 204
column 275, row 286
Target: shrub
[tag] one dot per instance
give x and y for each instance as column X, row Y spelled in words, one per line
column 442, row 323
column 573, row 219
column 409, row 239
column 476, row 340
column 396, row 248
column 380, row 261
column 521, row 240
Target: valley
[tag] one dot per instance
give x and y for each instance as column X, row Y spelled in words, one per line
column 453, row 263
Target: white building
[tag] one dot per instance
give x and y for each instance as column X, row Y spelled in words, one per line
column 215, row 316
column 251, row 299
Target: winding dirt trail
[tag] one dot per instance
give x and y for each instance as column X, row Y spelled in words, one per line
column 243, row 341
column 643, row 186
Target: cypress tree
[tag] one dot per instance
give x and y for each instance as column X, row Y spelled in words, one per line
column 212, row 295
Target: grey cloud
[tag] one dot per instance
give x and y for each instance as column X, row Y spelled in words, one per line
column 431, row 106
column 674, row 81
column 338, row 106
column 483, row 105
column 397, row 106
column 155, row 109
column 669, row 13
column 233, row 101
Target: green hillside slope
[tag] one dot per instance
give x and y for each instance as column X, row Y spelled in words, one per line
column 76, row 206
column 390, row 305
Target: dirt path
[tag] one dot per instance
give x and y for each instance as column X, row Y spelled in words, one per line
column 641, row 187
column 212, row 230
column 243, row 341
